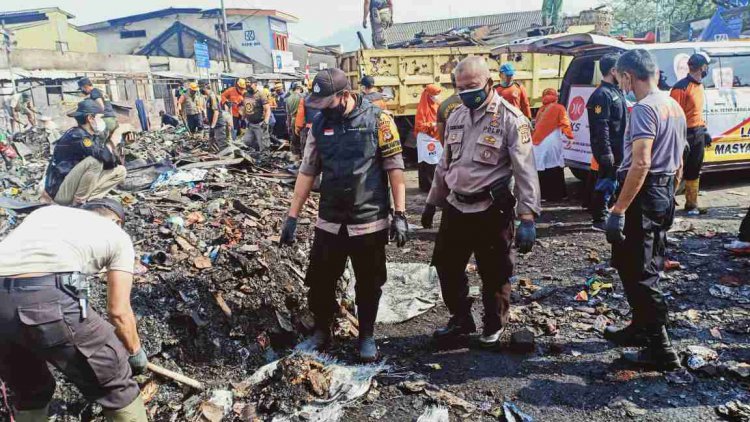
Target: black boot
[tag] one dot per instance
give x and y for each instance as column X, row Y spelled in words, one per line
column 319, row 341
column 630, row 336
column 367, row 313
column 658, row 354
column 457, row 326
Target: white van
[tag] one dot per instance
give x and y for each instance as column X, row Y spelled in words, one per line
column 727, row 86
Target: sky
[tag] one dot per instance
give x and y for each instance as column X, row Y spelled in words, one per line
column 321, row 21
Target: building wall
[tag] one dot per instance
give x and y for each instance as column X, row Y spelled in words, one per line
column 47, row 34
column 254, row 40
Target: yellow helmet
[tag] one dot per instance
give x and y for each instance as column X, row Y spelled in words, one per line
column 241, row 83
column 193, row 86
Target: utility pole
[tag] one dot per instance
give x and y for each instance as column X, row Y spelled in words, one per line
column 7, row 43
column 227, row 48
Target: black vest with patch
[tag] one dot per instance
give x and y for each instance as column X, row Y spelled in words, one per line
column 354, row 186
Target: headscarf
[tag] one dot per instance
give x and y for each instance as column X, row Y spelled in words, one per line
column 426, row 119
column 551, row 116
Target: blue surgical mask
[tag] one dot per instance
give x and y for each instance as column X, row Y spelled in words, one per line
column 474, row 98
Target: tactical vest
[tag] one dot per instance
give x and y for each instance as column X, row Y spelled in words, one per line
column 191, row 104
column 354, row 188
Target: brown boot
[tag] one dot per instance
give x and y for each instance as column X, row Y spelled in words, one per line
column 691, row 196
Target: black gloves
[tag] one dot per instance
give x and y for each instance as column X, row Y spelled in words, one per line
column 289, row 232
column 138, row 362
column 614, row 228
column 526, row 236
column 427, row 216
column 708, row 140
column 399, row 229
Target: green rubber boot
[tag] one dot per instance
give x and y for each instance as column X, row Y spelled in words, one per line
column 134, row 412
column 36, row 415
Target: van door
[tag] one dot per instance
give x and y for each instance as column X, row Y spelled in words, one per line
column 728, row 110
column 579, row 82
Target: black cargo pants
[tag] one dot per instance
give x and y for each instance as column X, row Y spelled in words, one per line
column 694, row 153
column 43, row 324
column 640, row 258
column 489, row 236
column 327, row 263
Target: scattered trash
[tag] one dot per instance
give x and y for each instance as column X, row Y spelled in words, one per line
column 734, row 411
column 671, row 265
column 437, row 394
column 738, row 248
column 680, row 376
column 582, row 296
column 434, row 414
column 513, row 413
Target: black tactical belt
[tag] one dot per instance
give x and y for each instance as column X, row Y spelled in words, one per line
column 694, row 130
column 651, row 179
column 51, row 280
column 472, row 199
column 498, row 191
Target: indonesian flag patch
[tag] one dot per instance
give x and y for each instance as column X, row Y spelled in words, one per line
column 328, row 132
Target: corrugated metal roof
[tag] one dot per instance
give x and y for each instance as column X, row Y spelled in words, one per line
column 505, row 22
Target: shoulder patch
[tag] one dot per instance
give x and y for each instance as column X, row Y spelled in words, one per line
column 388, row 139
column 597, row 109
column 87, row 142
column 524, row 133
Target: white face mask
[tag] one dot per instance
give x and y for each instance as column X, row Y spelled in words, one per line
column 435, row 98
column 99, row 125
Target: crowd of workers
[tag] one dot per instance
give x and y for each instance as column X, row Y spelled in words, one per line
column 489, row 166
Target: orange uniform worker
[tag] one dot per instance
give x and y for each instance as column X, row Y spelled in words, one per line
column 552, row 129
column 231, row 99
column 304, row 121
column 429, row 149
column 512, row 91
column 689, row 93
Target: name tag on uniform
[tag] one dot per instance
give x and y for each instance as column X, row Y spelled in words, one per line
column 328, row 132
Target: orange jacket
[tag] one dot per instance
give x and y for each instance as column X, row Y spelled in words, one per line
column 426, row 118
column 516, row 94
column 690, row 95
column 234, row 96
column 551, row 116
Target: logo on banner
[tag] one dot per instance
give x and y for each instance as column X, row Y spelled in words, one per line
column 577, row 108
column 431, row 147
column 250, row 35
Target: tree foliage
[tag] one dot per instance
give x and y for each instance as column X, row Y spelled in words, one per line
column 637, row 16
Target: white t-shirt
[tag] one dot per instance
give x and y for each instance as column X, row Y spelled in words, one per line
column 57, row 239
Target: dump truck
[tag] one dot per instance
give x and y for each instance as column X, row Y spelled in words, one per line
column 402, row 74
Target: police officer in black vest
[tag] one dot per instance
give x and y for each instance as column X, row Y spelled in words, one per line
column 607, row 112
column 357, row 149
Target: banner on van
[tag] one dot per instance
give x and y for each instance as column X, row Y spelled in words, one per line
column 728, row 121
column 580, row 149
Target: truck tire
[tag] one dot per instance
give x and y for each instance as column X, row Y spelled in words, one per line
column 579, row 174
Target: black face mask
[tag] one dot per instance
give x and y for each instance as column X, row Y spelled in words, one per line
column 704, row 73
column 251, row 91
column 474, row 98
column 335, row 114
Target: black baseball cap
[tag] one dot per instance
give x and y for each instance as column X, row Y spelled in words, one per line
column 368, row 81
column 86, row 107
column 326, row 85
column 108, row 203
column 698, row 59
column 83, row 82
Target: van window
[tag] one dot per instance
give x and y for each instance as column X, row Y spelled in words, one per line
column 672, row 63
column 581, row 71
column 728, row 72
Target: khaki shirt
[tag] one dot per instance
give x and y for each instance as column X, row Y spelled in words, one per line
column 485, row 146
